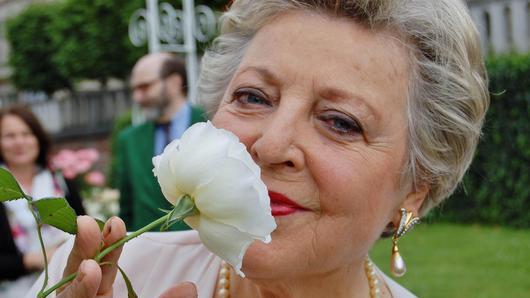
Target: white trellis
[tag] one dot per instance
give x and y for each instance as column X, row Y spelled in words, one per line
column 167, row 29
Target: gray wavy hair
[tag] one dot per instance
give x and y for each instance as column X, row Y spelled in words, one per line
column 447, row 98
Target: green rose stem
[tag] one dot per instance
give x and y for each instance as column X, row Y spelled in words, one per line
column 39, row 233
column 184, row 208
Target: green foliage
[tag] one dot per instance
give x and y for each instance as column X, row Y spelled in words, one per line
column 120, row 124
column 54, row 45
column 496, row 189
column 9, row 187
column 52, row 211
column 92, row 38
column 57, row 212
column 32, row 48
column 101, row 224
column 185, row 207
column 130, row 291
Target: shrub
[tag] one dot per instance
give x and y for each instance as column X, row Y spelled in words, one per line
column 92, row 38
column 496, row 190
column 32, row 48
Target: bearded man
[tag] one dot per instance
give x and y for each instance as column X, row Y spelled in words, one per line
column 159, row 87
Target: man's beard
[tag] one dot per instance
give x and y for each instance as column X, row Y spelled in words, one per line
column 154, row 113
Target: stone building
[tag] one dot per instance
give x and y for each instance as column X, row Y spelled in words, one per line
column 504, row 25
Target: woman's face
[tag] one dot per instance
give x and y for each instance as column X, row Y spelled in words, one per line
column 320, row 105
column 19, row 145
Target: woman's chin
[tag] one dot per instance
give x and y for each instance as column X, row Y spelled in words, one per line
column 22, row 161
column 260, row 259
column 268, row 260
column 284, row 252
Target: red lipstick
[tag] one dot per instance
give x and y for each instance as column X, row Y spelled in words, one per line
column 281, row 205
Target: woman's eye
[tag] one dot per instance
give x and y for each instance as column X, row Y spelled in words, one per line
column 342, row 125
column 247, row 97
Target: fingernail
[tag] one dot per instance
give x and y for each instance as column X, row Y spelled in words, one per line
column 81, row 273
column 108, row 227
column 181, row 290
column 188, row 289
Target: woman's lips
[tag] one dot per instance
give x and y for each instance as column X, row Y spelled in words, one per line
column 281, row 205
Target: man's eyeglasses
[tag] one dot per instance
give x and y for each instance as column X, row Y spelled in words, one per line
column 145, row 85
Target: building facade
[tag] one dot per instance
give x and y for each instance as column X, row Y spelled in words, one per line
column 504, row 25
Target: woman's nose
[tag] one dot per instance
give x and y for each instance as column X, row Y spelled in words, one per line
column 19, row 139
column 277, row 145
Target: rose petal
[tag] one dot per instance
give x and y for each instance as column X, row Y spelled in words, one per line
column 165, row 176
column 237, row 198
column 201, row 148
column 223, row 240
column 239, row 151
column 215, row 169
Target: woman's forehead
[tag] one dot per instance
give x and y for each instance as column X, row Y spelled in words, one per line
column 12, row 122
column 332, row 56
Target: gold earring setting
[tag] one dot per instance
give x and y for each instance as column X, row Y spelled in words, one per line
column 397, row 264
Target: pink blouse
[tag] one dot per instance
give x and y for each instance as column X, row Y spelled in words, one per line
column 156, row 261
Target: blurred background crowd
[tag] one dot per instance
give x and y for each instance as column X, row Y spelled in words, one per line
column 70, row 61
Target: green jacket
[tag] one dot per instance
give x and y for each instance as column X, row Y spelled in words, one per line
column 140, row 196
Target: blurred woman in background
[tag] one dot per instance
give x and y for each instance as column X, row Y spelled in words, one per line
column 24, row 149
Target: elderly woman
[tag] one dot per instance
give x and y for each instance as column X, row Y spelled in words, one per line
column 362, row 114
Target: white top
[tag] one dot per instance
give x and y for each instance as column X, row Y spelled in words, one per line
column 157, row 260
column 21, row 220
column 24, row 230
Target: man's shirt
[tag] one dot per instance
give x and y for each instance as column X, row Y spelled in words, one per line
column 179, row 123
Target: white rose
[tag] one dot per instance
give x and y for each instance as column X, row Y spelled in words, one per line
column 212, row 167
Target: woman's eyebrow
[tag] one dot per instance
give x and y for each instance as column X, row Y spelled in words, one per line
column 359, row 101
column 267, row 75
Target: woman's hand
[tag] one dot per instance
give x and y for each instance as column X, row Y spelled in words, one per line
column 181, row 290
column 92, row 280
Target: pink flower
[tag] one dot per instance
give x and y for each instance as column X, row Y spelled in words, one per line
column 82, row 166
column 69, row 173
column 73, row 163
column 90, row 154
column 95, row 178
column 63, row 160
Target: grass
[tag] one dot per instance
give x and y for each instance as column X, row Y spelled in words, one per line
column 449, row 260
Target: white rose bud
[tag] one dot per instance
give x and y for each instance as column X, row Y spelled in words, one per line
column 212, row 167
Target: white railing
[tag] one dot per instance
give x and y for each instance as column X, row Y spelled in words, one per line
column 82, row 114
column 167, row 29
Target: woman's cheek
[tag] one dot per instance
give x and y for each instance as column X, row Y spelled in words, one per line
column 243, row 130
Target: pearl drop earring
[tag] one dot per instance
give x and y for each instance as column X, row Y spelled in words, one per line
column 397, row 264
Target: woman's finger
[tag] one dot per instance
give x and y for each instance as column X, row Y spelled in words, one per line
column 86, row 283
column 86, row 245
column 182, row 290
column 114, row 230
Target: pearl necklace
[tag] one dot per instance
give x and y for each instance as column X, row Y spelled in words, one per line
column 223, row 282
column 373, row 281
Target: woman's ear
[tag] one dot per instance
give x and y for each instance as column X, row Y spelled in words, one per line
column 412, row 202
column 415, row 199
